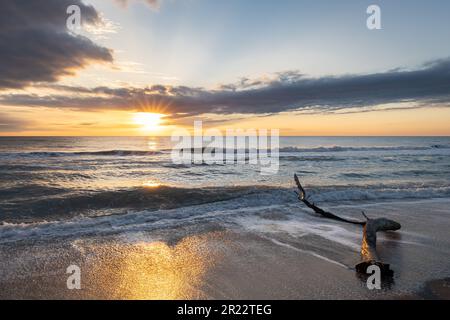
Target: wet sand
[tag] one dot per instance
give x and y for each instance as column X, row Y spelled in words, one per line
column 224, row 261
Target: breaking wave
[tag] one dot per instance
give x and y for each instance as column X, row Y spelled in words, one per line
column 191, row 206
column 381, row 148
column 82, row 153
column 289, row 149
column 60, row 206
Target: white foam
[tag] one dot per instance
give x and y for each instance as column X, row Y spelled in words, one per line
column 301, row 226
column 308, row 252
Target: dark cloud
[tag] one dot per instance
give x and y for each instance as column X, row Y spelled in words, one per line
column 35, row 45
column 288, row 91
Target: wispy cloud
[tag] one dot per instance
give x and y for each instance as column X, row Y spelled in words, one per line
column 102, row 28
column 153, row 4
column 287, row 91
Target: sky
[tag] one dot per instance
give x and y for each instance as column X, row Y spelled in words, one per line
column 304, row 67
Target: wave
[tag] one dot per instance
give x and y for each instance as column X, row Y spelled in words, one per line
column 119, row 153
column 289, row 149
column 311, row 158
column 380, row 148
column 295, row 149
column 82, row 153
column 410, row 173
column 28, row 191
column 314, row 149
column 368, row 193
column 248, row 203
column 211, row 204
column 60, row 206
column 355, row 175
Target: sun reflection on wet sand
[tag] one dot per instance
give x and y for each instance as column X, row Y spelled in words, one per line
column 154, row 270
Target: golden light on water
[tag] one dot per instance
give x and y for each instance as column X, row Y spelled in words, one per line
column 152, row 145
column 148, row 121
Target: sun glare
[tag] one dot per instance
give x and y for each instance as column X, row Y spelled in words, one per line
column 148, row 121
column 151, row 184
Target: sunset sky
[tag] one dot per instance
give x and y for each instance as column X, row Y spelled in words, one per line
column 304, row 67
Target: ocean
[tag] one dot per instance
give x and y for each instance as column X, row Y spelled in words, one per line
column 69, row 189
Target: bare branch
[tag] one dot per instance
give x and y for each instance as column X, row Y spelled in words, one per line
column 364, row 214
column 369, row 254
column 302, row 197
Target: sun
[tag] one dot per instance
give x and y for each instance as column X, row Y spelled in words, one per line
column 148, row 121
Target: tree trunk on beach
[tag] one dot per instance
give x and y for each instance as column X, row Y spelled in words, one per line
column 369, row 254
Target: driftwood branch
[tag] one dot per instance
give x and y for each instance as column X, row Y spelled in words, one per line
column 369, row 254
column 302, row 197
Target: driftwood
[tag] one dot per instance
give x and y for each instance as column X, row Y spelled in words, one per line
column 369, row 254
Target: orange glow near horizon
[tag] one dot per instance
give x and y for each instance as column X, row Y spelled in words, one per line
column 156, row 122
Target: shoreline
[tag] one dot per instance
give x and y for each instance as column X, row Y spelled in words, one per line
column 268, row 253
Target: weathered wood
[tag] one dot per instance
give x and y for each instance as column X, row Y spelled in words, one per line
column 369, row 254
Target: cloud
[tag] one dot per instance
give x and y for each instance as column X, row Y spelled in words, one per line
column 287, row 91
column 153, row 4
column 35, row 45
column 12, row 124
